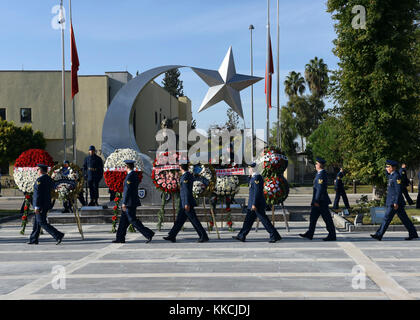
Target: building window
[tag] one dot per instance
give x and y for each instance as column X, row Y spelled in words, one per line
column 25, row 115
column 2, row 114
column 155, row 117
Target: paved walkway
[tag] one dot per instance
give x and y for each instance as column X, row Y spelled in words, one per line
column 220, row 269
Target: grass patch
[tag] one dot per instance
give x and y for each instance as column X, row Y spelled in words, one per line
column 395, row 220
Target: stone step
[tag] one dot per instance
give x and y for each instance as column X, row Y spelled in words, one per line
column 150, row 215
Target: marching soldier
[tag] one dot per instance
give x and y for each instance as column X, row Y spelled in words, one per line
column 186, row 209
column 395, row 204
column 65, row 172
column 418, row 195
column 130, row 202
column 405, row 182
column 339, row 190
column 256, row 208
column 93, row 170
column 319, row 204
column 43, row 187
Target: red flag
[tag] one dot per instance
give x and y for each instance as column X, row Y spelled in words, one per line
column 269, row 70
column 74, row 65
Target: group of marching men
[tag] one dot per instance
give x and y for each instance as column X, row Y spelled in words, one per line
column 256, row 206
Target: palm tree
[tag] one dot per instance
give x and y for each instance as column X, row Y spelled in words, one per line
column 294, row 84
column 316, row 75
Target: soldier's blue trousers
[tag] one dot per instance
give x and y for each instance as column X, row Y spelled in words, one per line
column 40, row 221
column 389, row 215
column 324, row 212
column 341, row 193
column 180, row 220
column 129, row 217
column 406, row 195
column 250, row 218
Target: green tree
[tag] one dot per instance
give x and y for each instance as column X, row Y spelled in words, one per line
column 15, row 140
column 288, row 132
column 233, row 120
column 325, row 141
column 173, row 84
column 376, row 88
column 316, row 75
column 294, row 84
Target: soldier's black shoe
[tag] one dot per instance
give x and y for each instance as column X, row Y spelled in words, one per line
column 60, row 239
column 237, row 238
column 91, row 204
column 304, row 235
column 274, row 240
column 65, row 211
column 150, row 238
column 30, row 242
column 375, row 236
column 411, row 238
column 118, row 241
column 201, row 240
column 169, row 239
column 330, row 239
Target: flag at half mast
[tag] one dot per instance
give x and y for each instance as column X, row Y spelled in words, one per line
column 269, row 69
column 74, row 64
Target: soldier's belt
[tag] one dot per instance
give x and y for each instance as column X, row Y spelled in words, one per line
column 92, row 169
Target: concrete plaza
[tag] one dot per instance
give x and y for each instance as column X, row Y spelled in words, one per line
column 293, row 268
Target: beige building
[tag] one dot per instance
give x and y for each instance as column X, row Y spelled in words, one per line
column 34, row 97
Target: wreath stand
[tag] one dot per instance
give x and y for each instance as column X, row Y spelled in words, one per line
column 213, row 218
column 286, row 222
column 77, row 216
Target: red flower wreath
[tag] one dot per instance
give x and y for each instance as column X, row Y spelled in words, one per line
column 115, row 179
column 166, row 180
column 32, row 157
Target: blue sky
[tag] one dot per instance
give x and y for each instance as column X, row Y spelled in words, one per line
column 141, row 34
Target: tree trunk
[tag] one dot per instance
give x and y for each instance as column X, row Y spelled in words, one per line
column 378, row 192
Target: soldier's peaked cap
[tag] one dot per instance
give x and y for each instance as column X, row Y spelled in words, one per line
column 320, row 160
column 42, row 166
column 392, row 163
column 92, row 148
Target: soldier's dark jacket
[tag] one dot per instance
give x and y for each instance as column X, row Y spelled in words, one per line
column 339, row 181
column 320, row 194
column 256, row 192
column 130, row 193
column 186, row 186
column 43, row 187
column 93, row 167
column 404, row 179
column 394, row 192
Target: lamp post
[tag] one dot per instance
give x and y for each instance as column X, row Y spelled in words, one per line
column 251, row 27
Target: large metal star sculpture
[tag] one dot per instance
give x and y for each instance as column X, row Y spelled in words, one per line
column 225, row 84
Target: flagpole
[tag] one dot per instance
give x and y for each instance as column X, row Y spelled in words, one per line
column 278, row 77
column 63, row 81
column 73, row 106
column 268, row 71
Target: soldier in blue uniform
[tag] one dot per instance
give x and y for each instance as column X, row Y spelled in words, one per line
column 395, row 204
column 319, row 204
column 43, row 187
column 65, row 172
column 418, row 195
column 256, row 208
column 130, row 202
column 94, row 170
column 186, row 209
column 405, row 182
column 339, row 190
